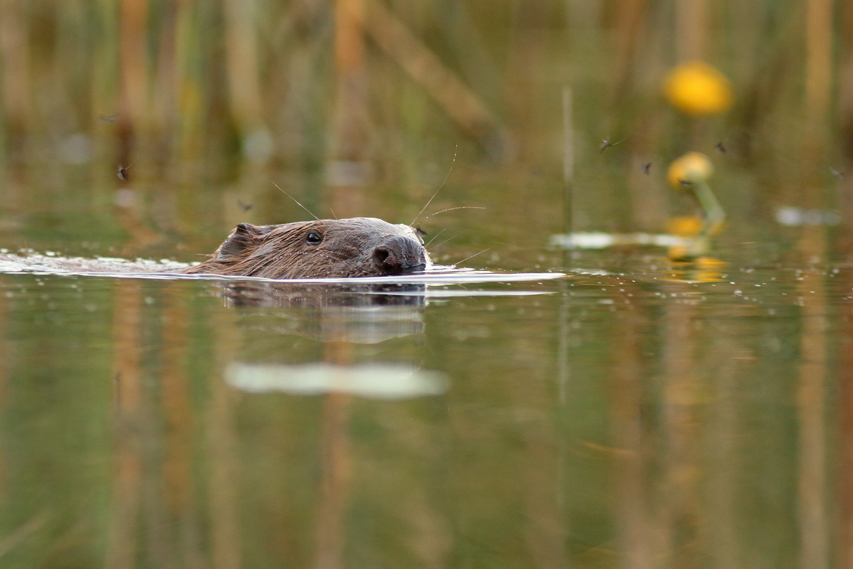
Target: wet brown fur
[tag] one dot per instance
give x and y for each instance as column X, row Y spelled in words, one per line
column 361, row 246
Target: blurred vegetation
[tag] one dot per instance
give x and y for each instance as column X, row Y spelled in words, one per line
column 333, row 98
column 297, row 83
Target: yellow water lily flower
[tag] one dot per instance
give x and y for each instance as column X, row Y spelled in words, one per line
column 696, row 88
column 696, row 269
column 688, row 226
column 684, row 226
column 689, row 170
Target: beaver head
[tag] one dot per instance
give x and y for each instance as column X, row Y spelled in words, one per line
column 326, row 248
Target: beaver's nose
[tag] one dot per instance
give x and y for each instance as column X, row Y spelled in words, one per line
column 398, row 254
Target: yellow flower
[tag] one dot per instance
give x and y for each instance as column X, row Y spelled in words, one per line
column 696, row 88
column 689, row 226
column 684, row 226
column 691, row 169
column 696, row 269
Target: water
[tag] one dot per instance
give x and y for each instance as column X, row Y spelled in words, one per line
column 630, row 412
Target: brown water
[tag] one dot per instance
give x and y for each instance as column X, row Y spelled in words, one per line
column 635, row 413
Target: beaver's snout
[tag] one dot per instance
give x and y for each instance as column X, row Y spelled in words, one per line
column 398, row 254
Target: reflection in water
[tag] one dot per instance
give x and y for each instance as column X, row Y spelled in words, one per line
column 365, row 314
column 615, row 418
column 220, row 434
column 379, row 381
column 811, row 410
column 128, row 477
column 300, row 295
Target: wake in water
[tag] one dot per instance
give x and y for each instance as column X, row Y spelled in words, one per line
column 28, row 262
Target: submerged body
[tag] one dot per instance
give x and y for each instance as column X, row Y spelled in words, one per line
column 325, row 248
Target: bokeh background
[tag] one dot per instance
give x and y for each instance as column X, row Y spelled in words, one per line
column 358, row 107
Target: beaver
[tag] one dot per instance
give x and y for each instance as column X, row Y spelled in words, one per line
column 325, row 248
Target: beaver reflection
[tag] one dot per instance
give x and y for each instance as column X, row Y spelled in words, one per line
column 325, row 248
column 361, row 314
column 298, row 295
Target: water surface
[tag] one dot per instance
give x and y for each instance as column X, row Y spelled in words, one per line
column 630, row 410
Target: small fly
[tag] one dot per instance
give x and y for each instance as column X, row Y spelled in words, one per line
column 122, row 173
column 605, row 144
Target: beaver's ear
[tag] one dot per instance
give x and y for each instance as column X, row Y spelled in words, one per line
column 243, row 237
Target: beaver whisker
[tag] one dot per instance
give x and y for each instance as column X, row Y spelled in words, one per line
column 470, row 257
column 453, row 208
column 297, row 203
column 434, row 237
column 452, row 162
column 445, row 241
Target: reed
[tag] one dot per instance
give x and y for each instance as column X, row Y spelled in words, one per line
column 190, row 82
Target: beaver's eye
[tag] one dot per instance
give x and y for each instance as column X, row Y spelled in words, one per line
column 314, row 238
